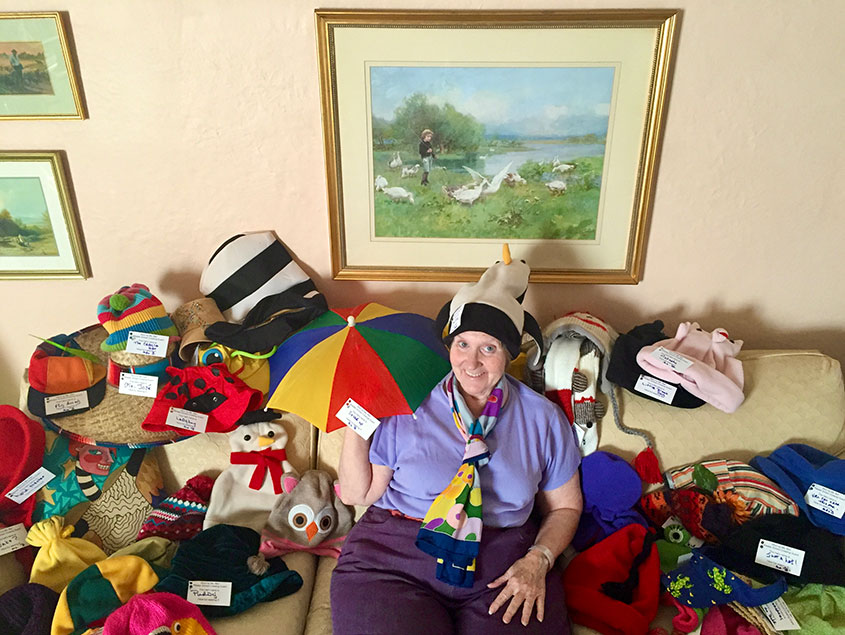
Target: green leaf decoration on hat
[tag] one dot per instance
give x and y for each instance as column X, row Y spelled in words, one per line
column 77, row 352
column 704, row 479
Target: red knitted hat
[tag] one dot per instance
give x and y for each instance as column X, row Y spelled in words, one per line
column 21, row 453
column 613, row 561
column 180, row 516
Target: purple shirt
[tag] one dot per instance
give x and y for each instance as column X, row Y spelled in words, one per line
column 532, row 448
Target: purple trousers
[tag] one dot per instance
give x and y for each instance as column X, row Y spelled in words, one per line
column 383, row 584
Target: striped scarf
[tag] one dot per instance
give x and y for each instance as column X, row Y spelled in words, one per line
column 451, row 529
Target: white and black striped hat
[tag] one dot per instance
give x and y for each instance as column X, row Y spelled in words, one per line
column 248, row 268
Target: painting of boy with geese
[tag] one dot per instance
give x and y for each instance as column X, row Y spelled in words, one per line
column 489, row 152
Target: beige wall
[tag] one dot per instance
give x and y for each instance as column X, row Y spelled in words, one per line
column 204, row 122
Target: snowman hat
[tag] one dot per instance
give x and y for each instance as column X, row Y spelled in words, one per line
column 493, row 305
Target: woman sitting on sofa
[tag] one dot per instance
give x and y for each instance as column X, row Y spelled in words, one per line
column 414, row 562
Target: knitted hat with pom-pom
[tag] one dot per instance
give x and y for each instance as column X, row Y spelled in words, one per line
column 180, row 516
column 132, row 308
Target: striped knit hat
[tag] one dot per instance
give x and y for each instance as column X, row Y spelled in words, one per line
column 180, row 516
column 132, row 309
column 250, row 267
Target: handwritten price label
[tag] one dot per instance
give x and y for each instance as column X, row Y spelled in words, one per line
column 209, row 593
column 12, row 538
column 660, row 390
column 31, row 484
column 781, row 557
column 187, row 420
column 825, row 499
column 779, row 616
column 67, row 402
column 356, row 417
column 673, row 360
column 151, row 344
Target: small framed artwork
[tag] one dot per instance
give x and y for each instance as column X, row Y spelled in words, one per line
column 37, row 76
column 40, row 235
column 447, row 133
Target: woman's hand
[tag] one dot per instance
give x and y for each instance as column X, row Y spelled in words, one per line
column 525, row 585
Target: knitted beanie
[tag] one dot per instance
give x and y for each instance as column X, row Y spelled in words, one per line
column 493, row 305
column 180, row 516
column 27, row 610
column 703, row 363
column 132, row 308
column 100, row 590
column 157, row 613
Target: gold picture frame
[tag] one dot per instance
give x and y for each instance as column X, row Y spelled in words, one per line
column 384, row 75
column 38, row 78
column 40, row 234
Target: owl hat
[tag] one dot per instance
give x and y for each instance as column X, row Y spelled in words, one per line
column 307, row 516
column 493, row 305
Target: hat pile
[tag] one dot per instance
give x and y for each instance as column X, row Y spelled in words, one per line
column 703, row 363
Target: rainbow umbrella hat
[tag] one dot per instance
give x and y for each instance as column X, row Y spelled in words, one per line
column 385, row 360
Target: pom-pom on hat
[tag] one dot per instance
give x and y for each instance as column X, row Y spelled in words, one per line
column 157, row 613
column 493, row 305
column 180, row 516
column 132, row 308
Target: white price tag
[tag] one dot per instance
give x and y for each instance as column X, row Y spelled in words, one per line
column 186, row 419
column 455, row 322
column 138, row 385
column 31, row 484
column 779, row 616
column 357, row 418
column 825, row 499
column 209, row 593
column 780, row 557
column 660, row 390
column 67, row 402
column 12, row 538
column 151, row 344
column 673, row 360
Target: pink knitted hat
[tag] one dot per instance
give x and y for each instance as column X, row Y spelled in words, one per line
column 153, row 612
column 703, row 363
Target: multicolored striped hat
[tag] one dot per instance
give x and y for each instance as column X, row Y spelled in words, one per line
column 132, row 308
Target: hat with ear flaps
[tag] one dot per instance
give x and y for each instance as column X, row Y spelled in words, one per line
column 493, row 305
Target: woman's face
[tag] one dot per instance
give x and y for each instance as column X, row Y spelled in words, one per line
column 479, row 361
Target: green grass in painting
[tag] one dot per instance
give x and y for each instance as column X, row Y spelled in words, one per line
column 528, row 211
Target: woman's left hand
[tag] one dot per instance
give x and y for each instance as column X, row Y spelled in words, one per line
column 525, row 585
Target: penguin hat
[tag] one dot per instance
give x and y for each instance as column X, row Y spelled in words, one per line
column 493, row 305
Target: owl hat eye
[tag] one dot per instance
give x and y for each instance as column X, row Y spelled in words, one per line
column 301, row 518
column 325, row 520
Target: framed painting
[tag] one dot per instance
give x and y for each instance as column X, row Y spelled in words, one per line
column 37, row 75
column 449, row 133
column 39, row 228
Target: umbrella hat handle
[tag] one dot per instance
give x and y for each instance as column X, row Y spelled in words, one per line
column 351, row 320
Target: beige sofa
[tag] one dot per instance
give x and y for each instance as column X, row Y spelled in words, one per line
column 791, row 396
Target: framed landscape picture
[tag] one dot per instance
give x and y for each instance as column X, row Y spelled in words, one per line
column 449, row 133
column 37, row 75
column 39, row 229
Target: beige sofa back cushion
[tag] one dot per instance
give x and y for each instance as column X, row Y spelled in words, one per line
column 790, row 396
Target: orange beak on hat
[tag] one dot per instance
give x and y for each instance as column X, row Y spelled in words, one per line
column 311, row 531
